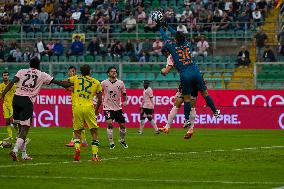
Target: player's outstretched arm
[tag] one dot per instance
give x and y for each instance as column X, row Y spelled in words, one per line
column 99, row 102
column 8, row 87
column 163, row 34
column 166, row 70
column 172, row 30
column 64, row 84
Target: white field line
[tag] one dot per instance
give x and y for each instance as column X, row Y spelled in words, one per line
column 144, row 156
column 140, row 180
column 280, row 187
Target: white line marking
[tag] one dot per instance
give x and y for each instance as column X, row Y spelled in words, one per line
column 250, row 148
column 267, row 147
column 281, row 187
column 143, row 180
column 140, row 156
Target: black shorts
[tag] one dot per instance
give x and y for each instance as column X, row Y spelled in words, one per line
column 146, row 112
column 115, row 115
column 22, row 109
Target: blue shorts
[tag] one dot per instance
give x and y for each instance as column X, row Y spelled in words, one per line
column 192, row 83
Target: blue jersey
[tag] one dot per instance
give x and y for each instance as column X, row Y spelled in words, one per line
column 190, row 76
column 181, row 54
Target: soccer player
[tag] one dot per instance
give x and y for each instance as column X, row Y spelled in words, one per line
column 72, row 72
column 178, row 103
column 85, row 88
column 112, row 90
column 174, row 110
column 29, row 82
column 147, row 108
column 7, row 105
column 180, row 50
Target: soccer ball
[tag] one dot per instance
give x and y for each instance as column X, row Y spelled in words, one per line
column 157, row 16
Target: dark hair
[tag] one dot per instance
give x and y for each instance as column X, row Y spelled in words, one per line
column 72, row 67
column 4, row 73
column 146, row 81
column 110, row 68
column 180, row 37
column 35, row 62
column 85, row 69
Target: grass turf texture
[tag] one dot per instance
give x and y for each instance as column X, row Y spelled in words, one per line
column 211, row 159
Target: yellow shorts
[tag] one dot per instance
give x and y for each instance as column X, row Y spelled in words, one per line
column 7, row 111
column 82, row 115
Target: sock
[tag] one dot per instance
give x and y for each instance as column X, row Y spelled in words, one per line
column 77, row 143
column 18, row 145
column 9, row 131
column 16, row 126
column 122, row 134
column 192, row 117
column 24, row 150
column 95, row 147
column 171, row 116
column 110, row 136
column 73, row 137
column 187, row 108
column 210, row 103
column 142, row 125
column 83, row 136
column 154, row 125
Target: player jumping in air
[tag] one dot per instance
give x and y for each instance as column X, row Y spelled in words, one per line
column 147, row 108
column 112, row 90
column 72, row 72
column 29, row 82
column 85, row 87
column 178, row 103
column 7, row 105
column 180, row 50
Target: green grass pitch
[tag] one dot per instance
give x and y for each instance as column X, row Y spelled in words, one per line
column 211, row 159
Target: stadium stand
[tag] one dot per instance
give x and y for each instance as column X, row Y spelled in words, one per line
column 226, row 25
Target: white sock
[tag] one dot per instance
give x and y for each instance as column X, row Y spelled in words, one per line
column 24, row 150
column 110, row 136
column 192, row 117
column 154, row 125
column 142, row 122
column 18, row 145
column 171, row 116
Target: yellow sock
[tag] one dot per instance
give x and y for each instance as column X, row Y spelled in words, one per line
column 73, row 136
column 95, row 147
column 83, row 135
column 77, row 143
column 10, row 131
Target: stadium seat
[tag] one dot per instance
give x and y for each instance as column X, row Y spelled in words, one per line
column 30, row 35
column 62, row 58
column 53, row 59
column 45, row 59
column 150, row 76
column 162, row 58
column 153, row 59
column 146, row 67
column 156, row 68
column 108, row 59
column 126, row 59
column 140, row 76
column 98, row 58
column 72, row 58
column 80, row 59
column 89, row 58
